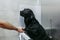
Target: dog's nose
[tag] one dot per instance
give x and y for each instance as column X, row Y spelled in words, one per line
column 20, row 12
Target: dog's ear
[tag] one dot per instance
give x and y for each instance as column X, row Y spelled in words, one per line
column 32, row 15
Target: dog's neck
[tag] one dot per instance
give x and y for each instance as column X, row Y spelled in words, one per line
column 28, row 20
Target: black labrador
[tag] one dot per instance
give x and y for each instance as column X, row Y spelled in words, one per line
column 33, row 28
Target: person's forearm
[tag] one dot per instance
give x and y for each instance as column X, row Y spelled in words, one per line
column 7, row 25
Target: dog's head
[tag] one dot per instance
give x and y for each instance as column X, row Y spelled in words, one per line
column 26, row 13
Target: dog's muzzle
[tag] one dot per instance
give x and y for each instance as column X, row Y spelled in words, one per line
column 21, row 13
